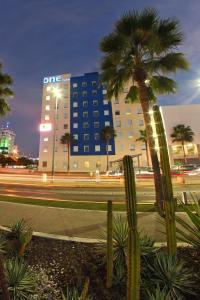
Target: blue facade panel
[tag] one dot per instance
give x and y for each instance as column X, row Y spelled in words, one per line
column 89, row 114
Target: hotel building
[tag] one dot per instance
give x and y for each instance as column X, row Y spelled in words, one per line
column 79, row 105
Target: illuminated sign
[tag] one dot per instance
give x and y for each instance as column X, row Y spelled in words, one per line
column 44, row 127
column 54, row 79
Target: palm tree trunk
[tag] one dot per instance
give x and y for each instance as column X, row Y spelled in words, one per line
column 143, row 95
column 107, row 155
column 3, row 282
column 147, row 154
column 68, row 161
column 184, row 154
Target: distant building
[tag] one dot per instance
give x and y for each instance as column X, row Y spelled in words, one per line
column 7, row 141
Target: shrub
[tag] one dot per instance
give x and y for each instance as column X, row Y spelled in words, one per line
column 158, row 294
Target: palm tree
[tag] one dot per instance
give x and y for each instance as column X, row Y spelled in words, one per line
column 182, row 134
column 107, row 134
column 143, row 139
column 140, row 52
column 5, row 92
column 67, row 139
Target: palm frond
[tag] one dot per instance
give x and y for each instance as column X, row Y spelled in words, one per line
column 132, row 95
column 163, row 85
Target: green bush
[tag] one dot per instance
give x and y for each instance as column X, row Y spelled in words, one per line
column 171, row 275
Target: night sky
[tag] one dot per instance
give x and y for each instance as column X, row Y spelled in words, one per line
column 51, row 37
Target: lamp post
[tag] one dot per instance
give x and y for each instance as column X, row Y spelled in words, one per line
column 57, row 94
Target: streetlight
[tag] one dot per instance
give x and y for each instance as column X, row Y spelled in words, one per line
column 57, row 94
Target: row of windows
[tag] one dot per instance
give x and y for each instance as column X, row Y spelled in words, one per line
column 75, row 164
column 118, row 123
column 94, row 102
column 87, row 125
column 85, row 84
column 128, row 111
column 86, row 148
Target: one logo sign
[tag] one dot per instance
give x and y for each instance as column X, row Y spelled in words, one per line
column 44, row 127
column 54, row 79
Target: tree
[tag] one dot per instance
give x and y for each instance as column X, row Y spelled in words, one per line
column 182, row 134
column 107, row 134
column 67, row 139
column 143, row 139
column 5, row 92
column 139, row 53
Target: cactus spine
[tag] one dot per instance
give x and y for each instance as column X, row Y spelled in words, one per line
column 133, row 253
column 169, row 203
column 109, row 244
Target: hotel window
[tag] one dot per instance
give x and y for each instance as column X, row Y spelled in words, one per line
column 94, row 93
column 75, row 114
column 95, row 113
column 139, row 110
column 130, row 134
column 85, row 103
column 143, row 147
column 117, row 113
column 86, row 148
column 75, row 164
column 105, row 102
column 46, row 117
column 66, row 105
column 65, row 126
column 87, row 164
column 44, row 164
column 128, row 111
column 47, row 107
column 140, row 122
column 65, row 115
column 104, row 92
column 84, row 84
column 106, row 112
column 107, row 123
column 65, row 148
column 75, row 137
column 118, row 123
column 109, row 148
column 94, row 83
column 116, row 101
column 85, row 125
column 86, row 137
column 75, row 104
column 45, row 150
column 48, row 98
column 48, row 88
column 75, row 148
column 75, row 94
column 95, row 102
column 75, row 125
column 119, row 135
column 130, row 122
column 97, row 136
column 75, row 85
column 97, row 148
column 96, row 124
column 132, row 147
column 85, row 114
column 84, row 93
column 45, row 139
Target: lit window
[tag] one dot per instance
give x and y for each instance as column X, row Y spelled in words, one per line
column 107, row 123
column 94, row 83
column 75, row 165
column 86, row 137
column 75, row 137
column 130, row 135
column 128, row 111
column 65, row 115
column 75, row 94
column 48, row 88
column 85, row 114
column 95, row 113
column 45, row 150
column 130, row 122
column 87, row 164
column 86, row 148
column 132, row 147
column 85, row 125
column 75, row 85
column 118, row 123
column 106, row 112
column 85, row 103
column 96, row 136
column 140, row 122
column 96, row 124
column 47, row 98
column 45, row 139
column 75, row 104
column 104, row 92
column 109, row 148
column 46, row 117
column 75, row 114
column 95, row 102
column 97, row 148
column 105, row 102
column 47, row 107
column 75, row 125
column 75, row 148
column 84, row 84
column 117, row 113
column 143, row 147
column 65, row 126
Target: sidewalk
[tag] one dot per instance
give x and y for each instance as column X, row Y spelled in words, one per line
column 72, row 222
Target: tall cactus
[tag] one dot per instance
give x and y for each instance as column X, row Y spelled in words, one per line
column 109, row 245
column 169, row 201
column 133, row 253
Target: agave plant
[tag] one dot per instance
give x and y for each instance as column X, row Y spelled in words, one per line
column 189, row 232
column 21, row 279
column 158, row 294
column 73, row 294
column 171, row 276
